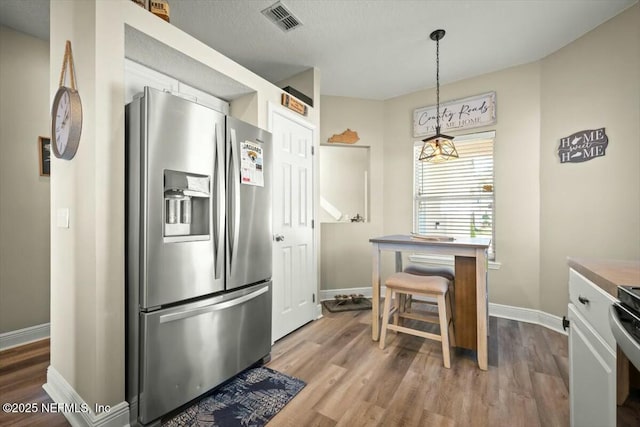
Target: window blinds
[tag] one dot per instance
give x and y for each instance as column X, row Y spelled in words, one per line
column 456, row 197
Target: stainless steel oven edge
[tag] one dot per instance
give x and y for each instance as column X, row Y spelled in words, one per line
column 618, row 315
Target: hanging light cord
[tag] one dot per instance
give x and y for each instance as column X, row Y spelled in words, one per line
column 438, row 85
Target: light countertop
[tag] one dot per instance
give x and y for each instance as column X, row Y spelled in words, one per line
column 608, row 274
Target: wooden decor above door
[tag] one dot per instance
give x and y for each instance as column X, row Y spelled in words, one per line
column 293, row 104
column 347, row 137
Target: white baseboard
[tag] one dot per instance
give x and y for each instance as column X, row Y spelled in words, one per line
column 24, row 336
column 520, row 314
column 77, row 411
column 318, row 311
column 527, row 315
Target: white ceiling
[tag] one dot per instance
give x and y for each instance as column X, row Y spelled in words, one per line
column 375, row 49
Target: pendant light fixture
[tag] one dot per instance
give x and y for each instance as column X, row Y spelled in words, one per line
column 438, row 148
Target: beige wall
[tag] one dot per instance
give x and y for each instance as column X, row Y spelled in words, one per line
column 304, row 83
column 344, row 182
column 516, row 169
column 345, row 252
column 544, row 211
column 24, row 194
column 590, row 209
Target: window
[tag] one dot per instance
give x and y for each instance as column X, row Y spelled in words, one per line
column 456, row 197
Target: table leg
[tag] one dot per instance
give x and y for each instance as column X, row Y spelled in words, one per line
column 398, row 261
column 375, row 299
column 482, row 307
column 465, row 303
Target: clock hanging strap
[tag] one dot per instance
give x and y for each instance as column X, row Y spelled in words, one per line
column 68, row 60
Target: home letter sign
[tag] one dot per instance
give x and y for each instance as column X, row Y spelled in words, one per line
column 582, row 146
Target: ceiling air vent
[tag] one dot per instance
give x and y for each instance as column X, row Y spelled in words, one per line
column 282, row 17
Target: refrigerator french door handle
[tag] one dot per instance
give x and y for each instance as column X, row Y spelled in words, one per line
column 236, row 197
column 220, row 202
column 211, row 308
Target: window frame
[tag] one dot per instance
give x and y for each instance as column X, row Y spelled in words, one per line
column 461, row 138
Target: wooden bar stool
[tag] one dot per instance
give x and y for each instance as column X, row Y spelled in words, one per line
column 420, row 270
column 430, row 286
column 446, row 272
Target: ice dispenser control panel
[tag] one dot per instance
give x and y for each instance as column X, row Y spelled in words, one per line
column 187, row 197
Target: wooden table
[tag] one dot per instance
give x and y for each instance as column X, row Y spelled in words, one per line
column 472, row 315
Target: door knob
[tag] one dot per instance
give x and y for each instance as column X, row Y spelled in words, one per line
column 279, row 237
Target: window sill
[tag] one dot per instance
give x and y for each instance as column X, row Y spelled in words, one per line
column 445, row 260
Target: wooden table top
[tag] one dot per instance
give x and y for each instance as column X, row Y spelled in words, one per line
column 473, row 242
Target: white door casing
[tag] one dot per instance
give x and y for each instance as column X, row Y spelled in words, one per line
column 294, row 258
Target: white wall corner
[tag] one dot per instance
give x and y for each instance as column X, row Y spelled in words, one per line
column 318, row 311
column 76, row 410
column 24, row 336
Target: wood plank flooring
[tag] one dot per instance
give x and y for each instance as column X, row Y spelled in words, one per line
column 23, row 371
column 351, row 382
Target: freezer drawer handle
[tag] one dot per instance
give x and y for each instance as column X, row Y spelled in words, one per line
column 211, row 308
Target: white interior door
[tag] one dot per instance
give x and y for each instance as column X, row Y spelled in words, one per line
column 294, row 270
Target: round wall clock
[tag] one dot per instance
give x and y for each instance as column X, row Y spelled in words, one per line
column 66, row 123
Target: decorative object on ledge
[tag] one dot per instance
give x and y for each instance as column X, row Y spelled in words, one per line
column 293, row 104
column 347, row 303
column 582, row 146
column 439, row 147
column 432, row 237
column 465, row 113
column 44, row 153
column 347, row 137
column 301, row 96
column 160, row 8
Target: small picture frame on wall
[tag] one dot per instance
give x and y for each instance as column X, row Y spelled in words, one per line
column 44, row 150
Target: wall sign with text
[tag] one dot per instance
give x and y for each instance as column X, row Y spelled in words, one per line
column 293, row 104
column 582, row 146
column 466, row 113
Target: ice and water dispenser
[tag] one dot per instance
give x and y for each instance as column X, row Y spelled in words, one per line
column 187, row 198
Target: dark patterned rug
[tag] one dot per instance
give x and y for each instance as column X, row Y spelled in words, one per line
column 252, row 398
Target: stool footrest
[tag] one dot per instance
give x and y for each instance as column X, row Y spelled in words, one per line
column 430, row 318
column 422, row 334
column 405, row 286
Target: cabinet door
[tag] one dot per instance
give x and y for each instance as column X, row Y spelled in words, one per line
column 137, row 76
column 592, row 376
column 204, row 98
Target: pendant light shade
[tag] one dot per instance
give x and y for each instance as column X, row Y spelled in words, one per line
column 438, row 148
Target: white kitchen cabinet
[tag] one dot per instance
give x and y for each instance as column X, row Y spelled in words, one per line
column 592, row 355
column 138, row 76
column 202, row 98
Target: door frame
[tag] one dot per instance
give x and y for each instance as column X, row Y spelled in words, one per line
column 272, row 109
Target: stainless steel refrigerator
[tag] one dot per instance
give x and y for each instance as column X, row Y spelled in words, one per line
column 198, row 251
